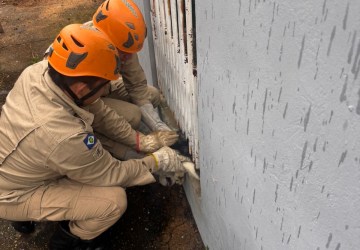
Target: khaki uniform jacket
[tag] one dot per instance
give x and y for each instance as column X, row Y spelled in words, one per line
column 44, row 136
column 132, row 83
column 135, row 81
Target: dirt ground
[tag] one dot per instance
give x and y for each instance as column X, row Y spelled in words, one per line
column 156, row 217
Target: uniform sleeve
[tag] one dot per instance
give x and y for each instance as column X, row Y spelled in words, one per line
column 135, row 80
column 82, row 158
column 109, row 123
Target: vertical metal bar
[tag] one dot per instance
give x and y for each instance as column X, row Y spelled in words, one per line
column 192, row 94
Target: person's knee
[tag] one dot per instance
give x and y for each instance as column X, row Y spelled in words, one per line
column 135, row 117
column 129, row 111
column 118, row 202
column 154, row 96
column 120, row 199
column 132, row 115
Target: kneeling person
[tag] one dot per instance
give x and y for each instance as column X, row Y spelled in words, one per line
column 52, row 167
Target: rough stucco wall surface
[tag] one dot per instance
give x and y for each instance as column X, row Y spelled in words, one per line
column 279, row 124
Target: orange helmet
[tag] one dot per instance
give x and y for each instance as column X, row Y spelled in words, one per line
column 84, row 51
column 123, row 23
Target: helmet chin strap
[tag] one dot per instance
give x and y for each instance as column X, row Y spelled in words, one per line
column 80, row 101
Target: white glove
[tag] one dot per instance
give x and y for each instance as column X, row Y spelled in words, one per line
column 155, row 140
column 168, row 161
column 152, row 119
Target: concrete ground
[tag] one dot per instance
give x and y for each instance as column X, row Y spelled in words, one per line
column 157, row 217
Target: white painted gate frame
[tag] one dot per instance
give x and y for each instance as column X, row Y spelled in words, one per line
column 175, row 63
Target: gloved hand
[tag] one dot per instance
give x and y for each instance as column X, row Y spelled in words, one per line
column 152, row 119
column 155, row 140
column 168, row 161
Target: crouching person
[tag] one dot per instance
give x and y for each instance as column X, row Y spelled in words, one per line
column 52, row 166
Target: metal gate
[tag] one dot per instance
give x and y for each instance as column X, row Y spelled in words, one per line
column 173, row 26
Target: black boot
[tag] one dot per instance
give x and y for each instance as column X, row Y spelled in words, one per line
column 25, row 227
column 63, row 239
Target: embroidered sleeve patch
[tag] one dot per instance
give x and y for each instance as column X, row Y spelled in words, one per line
column 90, row 141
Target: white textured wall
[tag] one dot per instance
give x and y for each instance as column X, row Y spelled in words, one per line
column 279, row 124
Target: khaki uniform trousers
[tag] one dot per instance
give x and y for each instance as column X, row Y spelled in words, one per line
column 91, row 210
column 119, row 101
